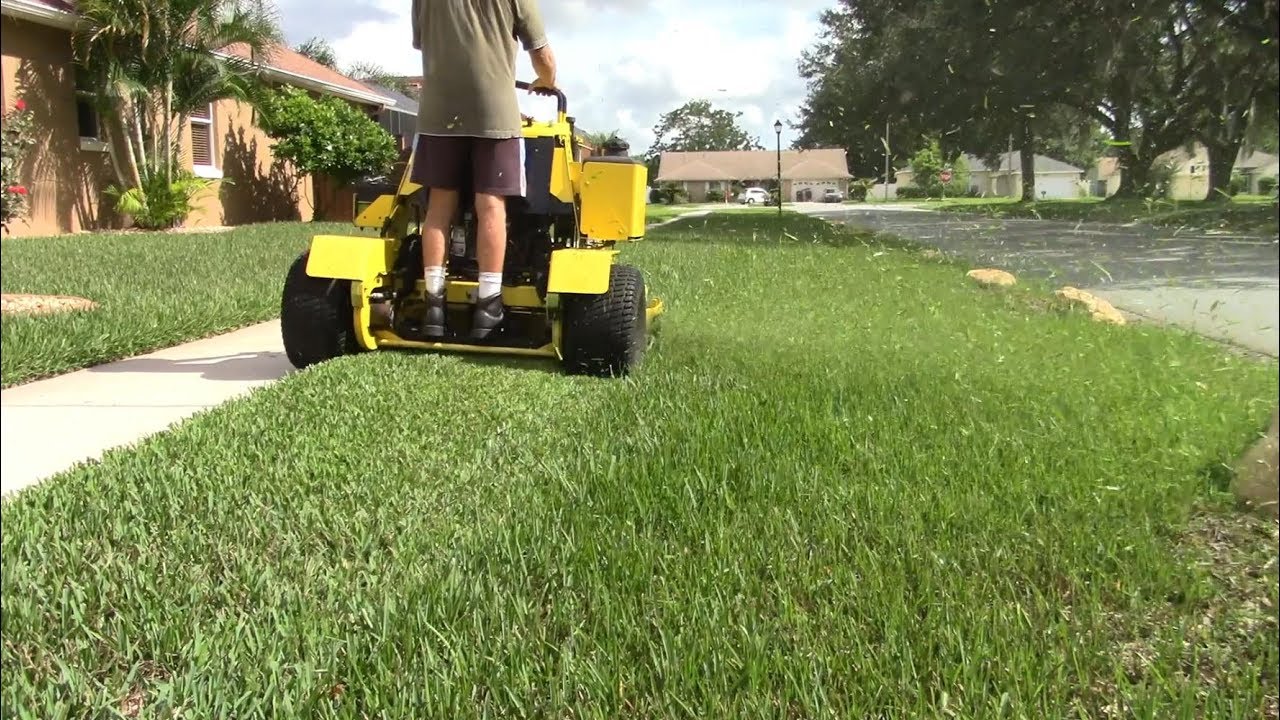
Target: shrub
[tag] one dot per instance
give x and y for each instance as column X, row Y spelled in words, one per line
column 325, row 136
column 1237, row 184
column 18, row 138
column 669, row 193
column 911, row 192
column 159, row 203
column 1267, row 185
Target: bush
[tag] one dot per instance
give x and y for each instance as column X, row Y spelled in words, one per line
column 912, row 192
column 1237, row 185
column 1267, row 185
column 18, row 137
column 325, row 136
column 159, row 203
column 669, row 193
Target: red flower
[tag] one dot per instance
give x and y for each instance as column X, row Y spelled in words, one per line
column 20, row 105
column 17, row 189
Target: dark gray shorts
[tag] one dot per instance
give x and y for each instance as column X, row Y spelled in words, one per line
column 456, row 162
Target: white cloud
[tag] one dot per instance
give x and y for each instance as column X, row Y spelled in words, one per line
column 621, row 62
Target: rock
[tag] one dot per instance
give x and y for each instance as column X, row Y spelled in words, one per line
column 1099, row 309
column 1255, row 481
column 991, row 276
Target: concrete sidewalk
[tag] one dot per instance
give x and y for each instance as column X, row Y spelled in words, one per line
column 48, row 426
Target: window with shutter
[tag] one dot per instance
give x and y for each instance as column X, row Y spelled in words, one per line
column 202, row 137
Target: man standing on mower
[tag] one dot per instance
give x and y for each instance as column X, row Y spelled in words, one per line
column 468, row 135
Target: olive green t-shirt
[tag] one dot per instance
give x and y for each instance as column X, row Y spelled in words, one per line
column 469, row 64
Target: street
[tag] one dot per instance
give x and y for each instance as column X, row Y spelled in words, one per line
column 1224, row 287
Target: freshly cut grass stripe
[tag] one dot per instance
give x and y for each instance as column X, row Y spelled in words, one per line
column 845, row 483
column 154, row 290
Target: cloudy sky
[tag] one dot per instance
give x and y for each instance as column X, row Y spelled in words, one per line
column 622, row 62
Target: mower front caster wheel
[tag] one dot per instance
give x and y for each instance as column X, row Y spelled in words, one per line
column 316, row 318
column 606, row 335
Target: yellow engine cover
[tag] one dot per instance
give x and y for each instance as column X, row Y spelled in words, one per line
column 613, row 198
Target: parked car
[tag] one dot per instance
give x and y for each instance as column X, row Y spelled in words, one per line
column 832, row 195
column 753, row 195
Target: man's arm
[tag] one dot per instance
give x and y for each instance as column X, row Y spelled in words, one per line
column 532, row 35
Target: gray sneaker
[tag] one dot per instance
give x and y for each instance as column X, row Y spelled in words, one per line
column 488, row 316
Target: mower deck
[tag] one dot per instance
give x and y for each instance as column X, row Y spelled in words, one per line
column 499, row 345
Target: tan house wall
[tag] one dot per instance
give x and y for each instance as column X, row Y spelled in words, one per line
column 64, row 180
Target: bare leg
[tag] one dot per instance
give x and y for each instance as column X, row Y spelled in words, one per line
column 442, row 205
column 491, row 232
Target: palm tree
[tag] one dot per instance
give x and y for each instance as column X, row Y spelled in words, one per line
column 154, row 62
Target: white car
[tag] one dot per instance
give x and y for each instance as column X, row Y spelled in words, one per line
column 753, row 195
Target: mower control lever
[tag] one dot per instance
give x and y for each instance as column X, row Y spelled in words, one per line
column 562, row 103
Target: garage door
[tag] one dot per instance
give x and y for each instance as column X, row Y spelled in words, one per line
column 1057, row 187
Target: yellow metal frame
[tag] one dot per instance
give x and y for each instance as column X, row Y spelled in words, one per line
column 368, row 261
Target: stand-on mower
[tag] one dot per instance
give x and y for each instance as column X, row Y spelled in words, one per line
column 565, row 296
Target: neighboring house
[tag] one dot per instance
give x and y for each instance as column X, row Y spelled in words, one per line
column 1190, row 166
column 708, row 175
column 1054, row 179
column 401, row 119
column 69, row 166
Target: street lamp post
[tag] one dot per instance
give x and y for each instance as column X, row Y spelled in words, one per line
column 777, row 129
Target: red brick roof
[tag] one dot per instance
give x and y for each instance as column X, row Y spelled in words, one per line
column 289, row 61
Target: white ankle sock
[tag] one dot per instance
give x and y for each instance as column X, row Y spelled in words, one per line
column 490, row 285
column 435, row 280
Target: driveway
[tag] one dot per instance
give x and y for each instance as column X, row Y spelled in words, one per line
column 1222, row 286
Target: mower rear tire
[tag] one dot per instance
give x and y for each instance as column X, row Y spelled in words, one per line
column 606, row 335
column 315, row 317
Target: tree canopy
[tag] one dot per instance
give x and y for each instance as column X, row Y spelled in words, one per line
column 1069, row 79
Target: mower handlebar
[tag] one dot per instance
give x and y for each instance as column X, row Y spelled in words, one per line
column 562, row 103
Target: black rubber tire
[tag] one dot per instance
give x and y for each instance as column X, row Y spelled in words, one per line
column 606, row 335
column 315, row 317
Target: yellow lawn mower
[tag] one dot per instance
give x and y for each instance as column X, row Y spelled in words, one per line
column 565, row 295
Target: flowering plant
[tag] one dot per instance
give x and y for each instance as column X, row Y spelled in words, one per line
column 17, row 140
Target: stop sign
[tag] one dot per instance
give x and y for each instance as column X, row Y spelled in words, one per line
column 945, row 176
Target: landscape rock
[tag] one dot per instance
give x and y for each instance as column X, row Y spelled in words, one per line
column 992, row 276
column 1256, row 479
column 1099, row 309
column 27, row 304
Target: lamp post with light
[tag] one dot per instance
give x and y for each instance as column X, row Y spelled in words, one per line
column 777, row 129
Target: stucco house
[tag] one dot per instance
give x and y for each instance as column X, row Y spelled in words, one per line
column 707, row 175
column 1054, row 179
column 69, row 167
column 1190, row 172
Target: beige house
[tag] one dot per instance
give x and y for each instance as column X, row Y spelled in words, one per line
column 1190, row 172
column 69, row 167
column 709, row 175
column 1055, row 180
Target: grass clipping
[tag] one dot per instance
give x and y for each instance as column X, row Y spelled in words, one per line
column 846, row 482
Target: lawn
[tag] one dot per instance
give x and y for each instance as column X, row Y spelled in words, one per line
column 658, row 213
column 1249, row 215
column 845, row 483
column 154, row 290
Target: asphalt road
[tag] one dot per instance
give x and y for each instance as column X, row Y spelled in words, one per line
column 1223, row 286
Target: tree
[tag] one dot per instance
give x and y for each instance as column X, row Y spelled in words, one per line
column 971, row 74
column 154, row 62
column 697, row 126
column 1236, row 84
column 319, row 49
column 325, row 136
column 375, row 74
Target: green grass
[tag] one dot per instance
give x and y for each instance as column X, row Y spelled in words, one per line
column 658, row 213
column 1251, row 215
column 845, row 483
column 154, row 290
